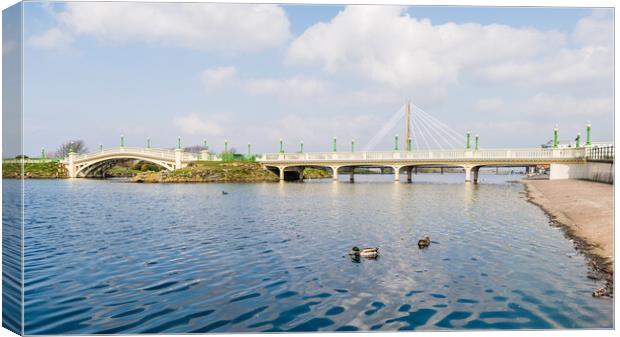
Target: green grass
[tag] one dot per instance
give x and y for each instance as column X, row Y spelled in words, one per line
column 33, row 170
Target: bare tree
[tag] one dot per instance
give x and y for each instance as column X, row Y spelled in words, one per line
column 193, row 149
column 77, row 145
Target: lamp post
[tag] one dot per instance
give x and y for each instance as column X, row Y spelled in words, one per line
column 588, row 134
column 555, row 137
column 334, row 145
column 409, row 144
column 352, row 145
column 101, row 147
column 281, row 146
column 179, row 142
column 225, row 145
column 204, row 144
column 148, row 143
column 476, row 144
column 396, row 142
column 301, row 146
column 42, row 153
column 578, row 139
column 122, row 140
column 468, row 146
column 249, row 150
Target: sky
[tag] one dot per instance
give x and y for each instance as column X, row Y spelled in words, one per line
column 259, row 73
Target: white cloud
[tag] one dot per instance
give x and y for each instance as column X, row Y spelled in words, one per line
column 217, row 77
column 489, row 104
column 295, row 86
column 386, row 45
column 591, row 61
column 565, row 106
column 230, row 28
column 51, row 39
column 566, row 67
column 194, row 124
column 595, row 30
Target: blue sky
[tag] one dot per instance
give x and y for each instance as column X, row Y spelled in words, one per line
column 258, row 73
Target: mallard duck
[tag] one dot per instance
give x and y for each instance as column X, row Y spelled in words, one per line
column 365, row 252
column 423, row 243
column 600, row 292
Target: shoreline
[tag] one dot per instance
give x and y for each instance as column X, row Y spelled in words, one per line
column 586, row 220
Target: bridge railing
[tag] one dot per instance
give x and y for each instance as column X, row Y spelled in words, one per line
column 154, row 153
column 601, row 153
column 490, row 154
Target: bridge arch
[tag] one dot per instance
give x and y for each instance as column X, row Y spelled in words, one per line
column 87, row 167
column 295, row 172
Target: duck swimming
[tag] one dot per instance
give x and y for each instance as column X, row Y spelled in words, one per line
column 365, row 252
column 224, row 193
column 423, row 243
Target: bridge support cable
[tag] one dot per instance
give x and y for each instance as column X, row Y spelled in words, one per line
column 442, row 134
column 391, row 123
column 428, row 130
column 442, row 126
column 420, row 133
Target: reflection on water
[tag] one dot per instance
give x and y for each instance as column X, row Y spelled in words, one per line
column 109, row 257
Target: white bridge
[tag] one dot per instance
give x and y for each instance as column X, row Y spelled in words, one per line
column 443, row 147
column 95, row 164
column 564, row 162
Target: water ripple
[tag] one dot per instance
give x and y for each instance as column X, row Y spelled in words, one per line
column 272, row 257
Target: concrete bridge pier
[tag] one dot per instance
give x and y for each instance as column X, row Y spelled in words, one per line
column 409, row 171
column 351, row 177
column 396, row 172
column 475, row 171
column 467, row 173
column 178, row 156
column 335, row 172
column 71, row 166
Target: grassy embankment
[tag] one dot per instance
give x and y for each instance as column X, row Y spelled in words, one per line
column 210, row 171
column 220, row 171
column 49, row 170
column 202, row 171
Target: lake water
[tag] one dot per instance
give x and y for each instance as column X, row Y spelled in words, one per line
column 115, row 257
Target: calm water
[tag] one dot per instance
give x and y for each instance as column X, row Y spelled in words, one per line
column 113, row 257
